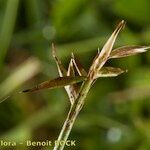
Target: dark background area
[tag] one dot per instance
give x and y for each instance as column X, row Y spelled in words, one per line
column 116, row 114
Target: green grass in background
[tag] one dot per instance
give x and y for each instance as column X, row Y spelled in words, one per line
column 116, row 115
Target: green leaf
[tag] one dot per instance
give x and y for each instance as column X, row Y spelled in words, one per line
column 56, row 83
column 128, row 51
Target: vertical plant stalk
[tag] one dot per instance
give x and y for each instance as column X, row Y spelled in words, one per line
column 76, row 107
column 73, row 113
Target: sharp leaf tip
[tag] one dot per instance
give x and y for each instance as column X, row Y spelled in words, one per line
column 25, row 91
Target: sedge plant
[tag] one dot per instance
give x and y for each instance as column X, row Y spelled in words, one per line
column 68, row 78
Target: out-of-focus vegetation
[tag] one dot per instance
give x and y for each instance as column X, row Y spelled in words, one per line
column 116, row 115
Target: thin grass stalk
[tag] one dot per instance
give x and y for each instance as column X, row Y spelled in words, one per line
column 73, row 113
column 76, row 107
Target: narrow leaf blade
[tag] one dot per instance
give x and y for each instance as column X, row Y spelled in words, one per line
column 128, row 51
column 110, row 72
column 56, row 83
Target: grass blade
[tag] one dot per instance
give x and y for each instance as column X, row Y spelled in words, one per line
column 56, row 83
column 7, row 27
column 128, row 51
column 20, row 75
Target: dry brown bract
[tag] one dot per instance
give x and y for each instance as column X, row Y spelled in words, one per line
column 67, row 77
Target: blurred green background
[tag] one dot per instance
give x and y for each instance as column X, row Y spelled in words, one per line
column 116, row 114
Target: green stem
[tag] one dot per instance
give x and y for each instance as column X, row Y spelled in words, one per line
column 73, row 113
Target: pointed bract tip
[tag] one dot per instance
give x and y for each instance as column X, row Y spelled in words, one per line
column 120, row 71
column 146, row 47
column 72, row 55
column 24, row 91
column 141, row 50
column 120, row 26
column 123, row 22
